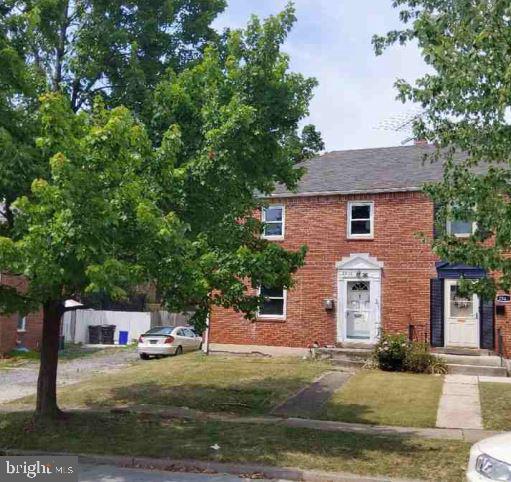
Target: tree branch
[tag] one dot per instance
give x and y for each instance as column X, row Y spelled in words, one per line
column 61, row 49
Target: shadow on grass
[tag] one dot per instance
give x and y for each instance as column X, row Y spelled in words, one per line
column 349, row 412
column 151, row 436
column 240, row 397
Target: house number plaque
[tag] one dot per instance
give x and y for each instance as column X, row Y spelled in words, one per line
column 358, row 274
column 504, row 298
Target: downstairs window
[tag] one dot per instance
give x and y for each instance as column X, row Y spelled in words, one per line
column 274, row 305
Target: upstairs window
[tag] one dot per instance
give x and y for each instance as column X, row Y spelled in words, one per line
column 274, row 305
column 273, row 219
column 460, row 229
column 360, row 220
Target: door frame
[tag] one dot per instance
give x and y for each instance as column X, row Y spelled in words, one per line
column 359, row 267
column 446, row 309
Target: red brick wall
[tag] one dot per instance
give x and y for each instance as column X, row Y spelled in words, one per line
column 503, row 322
column 321, row 223
column 8, row 324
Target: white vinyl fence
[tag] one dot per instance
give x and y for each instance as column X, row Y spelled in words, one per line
column 76, row 323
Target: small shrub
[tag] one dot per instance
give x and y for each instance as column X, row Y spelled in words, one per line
column 390, row 352
column 419, row 359
column 395, row 353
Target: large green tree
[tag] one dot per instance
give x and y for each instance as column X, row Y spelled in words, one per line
column 119, row 50
column 466, row 99
column 165, row 200
column 85, row 48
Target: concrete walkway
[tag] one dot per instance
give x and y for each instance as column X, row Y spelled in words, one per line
column 309, row 401
column 459, row 405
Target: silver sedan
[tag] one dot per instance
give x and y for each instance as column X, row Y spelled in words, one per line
column 168, row 340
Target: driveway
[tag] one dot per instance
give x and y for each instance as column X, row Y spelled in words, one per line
column 107, row 473
column 21, row 381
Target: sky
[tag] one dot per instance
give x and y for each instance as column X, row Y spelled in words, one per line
column 332, row 42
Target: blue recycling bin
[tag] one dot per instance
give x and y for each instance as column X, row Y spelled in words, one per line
column 123, row 337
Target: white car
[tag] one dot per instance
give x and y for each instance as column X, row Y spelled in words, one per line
column 490, row 459
column 168, row 340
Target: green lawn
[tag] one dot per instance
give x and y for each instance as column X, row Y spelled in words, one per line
column 386, row 398
column 152, row 436
column 214, row 383
column 496, row 405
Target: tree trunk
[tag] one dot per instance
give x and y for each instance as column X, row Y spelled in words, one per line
column 47, row 381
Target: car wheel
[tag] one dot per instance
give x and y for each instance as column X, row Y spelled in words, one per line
column 144, row 356
column 179, row 350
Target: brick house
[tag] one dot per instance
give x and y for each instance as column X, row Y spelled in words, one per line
column 366, row 270
column 19, row 328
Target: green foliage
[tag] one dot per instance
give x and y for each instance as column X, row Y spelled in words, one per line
column 390, row 352
column 166, row 203
column 466, row 99
column 113, row 47
column 420, row 360
column 306, row 145
column 110, row 48
column 394, row 352
column 311, row 142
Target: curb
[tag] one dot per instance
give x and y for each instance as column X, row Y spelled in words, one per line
column 244, row 471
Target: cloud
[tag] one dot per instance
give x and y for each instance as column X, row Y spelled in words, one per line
column 332, row 42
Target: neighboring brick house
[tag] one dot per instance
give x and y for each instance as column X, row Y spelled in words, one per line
column 18, row 328
column 359, row 213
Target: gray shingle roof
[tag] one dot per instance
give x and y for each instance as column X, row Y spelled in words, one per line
column 367, row 170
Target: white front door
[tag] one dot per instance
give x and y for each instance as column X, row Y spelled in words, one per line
column 358, row 310
column 358, row 298
column 461, row 317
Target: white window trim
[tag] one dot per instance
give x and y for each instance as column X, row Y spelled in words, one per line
column 371, row 220
column 24, row 325
column 274, row 317
column 279, row 237
column 460, row 235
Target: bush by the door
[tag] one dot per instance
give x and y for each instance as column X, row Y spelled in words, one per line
column 390, row 352
column 395, row 353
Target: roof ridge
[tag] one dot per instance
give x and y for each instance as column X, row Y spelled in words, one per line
column 359, row 149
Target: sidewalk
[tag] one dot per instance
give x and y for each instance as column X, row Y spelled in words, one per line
column 459, row 405
column 467, row 435
column 310, row 401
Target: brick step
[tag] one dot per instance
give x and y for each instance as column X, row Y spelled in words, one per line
column 458, row 369
column 481, row 361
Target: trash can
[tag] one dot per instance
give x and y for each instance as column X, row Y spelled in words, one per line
column 123, row 337
column 94, row 334
column 62, row 342
column 107, row 334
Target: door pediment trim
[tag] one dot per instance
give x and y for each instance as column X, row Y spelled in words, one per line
column 359, row 261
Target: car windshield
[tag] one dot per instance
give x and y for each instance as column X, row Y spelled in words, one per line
column 160, row 330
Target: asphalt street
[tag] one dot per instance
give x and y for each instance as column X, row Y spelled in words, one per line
column 108, row 473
